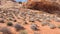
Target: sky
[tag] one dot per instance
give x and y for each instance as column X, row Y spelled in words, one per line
column 21, row 0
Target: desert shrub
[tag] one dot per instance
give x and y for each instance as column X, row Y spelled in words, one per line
column 52, row 26
column 34, row 27
column 2, row 21
column 19, row 27
column 59, row 26
column 9, row 23
column 5, row 30
column 23, row 32
column 44, row 23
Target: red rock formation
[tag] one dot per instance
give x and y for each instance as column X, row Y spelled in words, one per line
column 43, row 6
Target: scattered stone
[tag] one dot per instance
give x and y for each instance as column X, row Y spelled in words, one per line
column 48, row 19
column 15, row 20
column 31, row 20
column 57, row 19
column 25, row 22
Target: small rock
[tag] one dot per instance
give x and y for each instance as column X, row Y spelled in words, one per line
column 15, row 20
column 57, row 19
column 31, row 19
column 25, row 22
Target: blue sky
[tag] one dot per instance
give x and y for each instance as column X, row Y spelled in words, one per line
column 21, row 0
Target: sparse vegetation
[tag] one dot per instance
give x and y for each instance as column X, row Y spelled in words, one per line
column 9, row 23
column 5, row 30
column 44, row 23
column 23, row 32
column 52, row 26
column 18, row 18
column 19, row 27
column 34, row 27
column 1, row 21
column 58, row 26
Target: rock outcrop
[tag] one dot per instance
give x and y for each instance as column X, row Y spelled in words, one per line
column 43, row 5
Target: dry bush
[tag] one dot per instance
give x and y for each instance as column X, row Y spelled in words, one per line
column 52, row 26
column 5, row 30
column 19, row 27
column 34, row 27
column 9, row 24
column 23, row 32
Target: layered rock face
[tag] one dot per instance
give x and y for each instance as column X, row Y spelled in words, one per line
column 44, row 5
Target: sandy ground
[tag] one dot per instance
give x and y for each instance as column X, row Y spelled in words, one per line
column 42, row 29
column 21, row 19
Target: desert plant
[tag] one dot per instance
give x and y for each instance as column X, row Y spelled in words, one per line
column 34, row 27
column 5, row 30
column 1, row 21
column 19, row 27
column 23, row 32
column 59, row 26
column 9, row 23
column 52, row 26
column 44, row 23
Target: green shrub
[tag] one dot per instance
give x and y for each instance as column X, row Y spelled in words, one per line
column 9, row 23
